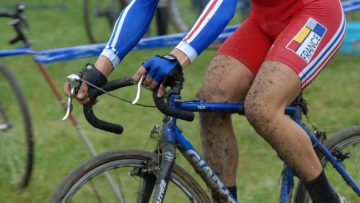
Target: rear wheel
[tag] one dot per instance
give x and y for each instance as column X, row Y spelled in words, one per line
column 346, row 145
column 16, row 135
column 183, row 14
column 100, row 16
column 130, row 170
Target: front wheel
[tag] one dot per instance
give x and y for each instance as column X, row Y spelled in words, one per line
column 346, row 144
column 125, row 176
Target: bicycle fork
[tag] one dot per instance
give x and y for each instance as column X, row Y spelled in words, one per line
column 167, row 161
column 158, row 182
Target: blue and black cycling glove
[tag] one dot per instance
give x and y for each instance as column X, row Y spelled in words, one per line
column 92, row 75
column 164, row 69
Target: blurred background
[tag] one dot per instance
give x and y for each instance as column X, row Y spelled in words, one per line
column 333, row 99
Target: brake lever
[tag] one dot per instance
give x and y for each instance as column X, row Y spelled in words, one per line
column 74, row 82
column 137, row 97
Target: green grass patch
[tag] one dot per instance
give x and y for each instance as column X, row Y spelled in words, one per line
column 333, row 98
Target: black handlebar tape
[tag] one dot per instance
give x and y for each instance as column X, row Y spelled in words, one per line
column 98, row 123
column 173, row 112
column 110, row 86
column 93, row 94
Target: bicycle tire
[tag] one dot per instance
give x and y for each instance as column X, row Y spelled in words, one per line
column 104, row 25
column 349, row 137
column 140, row 162
column 178, row 12
column 91, row 24
column 22, row 162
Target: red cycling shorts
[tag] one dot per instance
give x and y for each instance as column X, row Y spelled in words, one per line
column 303, row 34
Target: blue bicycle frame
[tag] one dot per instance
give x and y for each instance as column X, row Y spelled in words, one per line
column 173, row 135
column 92, row 50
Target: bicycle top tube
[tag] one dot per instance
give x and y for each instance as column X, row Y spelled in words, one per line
column 350, row 6
column 201, row 106
column 92, row 50
column 16, row 51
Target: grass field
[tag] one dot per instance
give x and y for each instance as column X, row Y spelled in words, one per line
column 333, row 98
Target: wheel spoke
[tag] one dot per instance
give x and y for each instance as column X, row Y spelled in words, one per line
column 134, row 174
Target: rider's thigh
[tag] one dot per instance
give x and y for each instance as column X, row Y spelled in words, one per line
column 238, row 59
column 274, row 87
column 248, row 44
column 227, row 79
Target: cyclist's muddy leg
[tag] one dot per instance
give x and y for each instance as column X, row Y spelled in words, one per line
column 226, row 80
column 274, row 87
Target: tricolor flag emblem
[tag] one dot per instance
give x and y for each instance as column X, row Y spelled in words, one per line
column 307, row 40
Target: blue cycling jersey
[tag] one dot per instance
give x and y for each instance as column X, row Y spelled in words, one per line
column 136, row 17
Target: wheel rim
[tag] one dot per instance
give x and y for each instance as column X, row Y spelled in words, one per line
column 98, row 189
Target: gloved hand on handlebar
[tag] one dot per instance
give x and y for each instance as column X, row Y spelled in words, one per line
column 91, row 74
column 164, row 70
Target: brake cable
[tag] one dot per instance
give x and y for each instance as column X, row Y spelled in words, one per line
column 134, row 102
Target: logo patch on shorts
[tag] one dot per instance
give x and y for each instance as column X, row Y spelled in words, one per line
column 305, row 43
